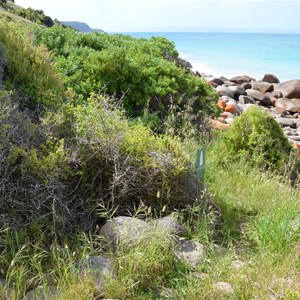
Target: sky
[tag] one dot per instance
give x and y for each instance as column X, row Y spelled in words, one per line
column 176, row 15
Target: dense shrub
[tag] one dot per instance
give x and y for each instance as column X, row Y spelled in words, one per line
column 124, row 165
column 142, row 73
column 29, row 68
column 256, row 138
column 59, row 171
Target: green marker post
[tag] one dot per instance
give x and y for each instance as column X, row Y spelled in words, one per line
column 200, row 164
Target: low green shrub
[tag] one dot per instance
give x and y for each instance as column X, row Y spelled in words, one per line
column 255, row 138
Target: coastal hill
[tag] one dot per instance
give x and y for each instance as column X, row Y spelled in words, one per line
column 114, row 185
column 83, row 27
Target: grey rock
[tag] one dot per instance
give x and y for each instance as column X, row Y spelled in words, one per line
column 259, row 96
column 237, row 264
column 171, row 225
column 246, row 86
column 270, row 78
column 226, row 99
column 216, row 80
column 8, row 292
column 247, row 106
column 263, row 87
column 295, row 138
column 246, row 99
column 286, row 122
column 100, row 268
column 190, row 252
column 165, row 293
column 42, row 293
column 200, row 275
column 241, row 79
column 124, row 230
column 237, row 91
column 275, row 94
column 184, row 63
column 229, row 83
column 290, row 89
column 224, row 91
column 224, row 288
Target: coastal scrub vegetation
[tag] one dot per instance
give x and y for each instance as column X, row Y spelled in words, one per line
column 145, row 75
column 96, row 126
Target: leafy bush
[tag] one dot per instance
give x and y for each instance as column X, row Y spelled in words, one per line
column 256, row 138
column 29, row 68
column 123, row 164
column 142, row 73
column 57, row 172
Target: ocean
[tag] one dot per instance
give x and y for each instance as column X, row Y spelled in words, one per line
column 232, row 54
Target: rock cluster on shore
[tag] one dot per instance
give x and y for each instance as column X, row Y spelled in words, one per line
column 281, row 100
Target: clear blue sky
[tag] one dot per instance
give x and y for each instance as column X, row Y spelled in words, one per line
column 176, row 15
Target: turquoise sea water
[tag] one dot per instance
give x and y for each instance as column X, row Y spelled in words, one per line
column 231, row 54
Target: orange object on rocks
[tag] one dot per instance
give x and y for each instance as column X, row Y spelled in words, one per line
column 231, row 108
column 218, row 125
column 221, row 104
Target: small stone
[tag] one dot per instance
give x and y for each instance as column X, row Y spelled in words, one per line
column 190, row 252
column 200, row 275
column 99, row 267
column 42, row 293
column 237, row 264
column 171, row 225
column 224, row 288
column 124, row 230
